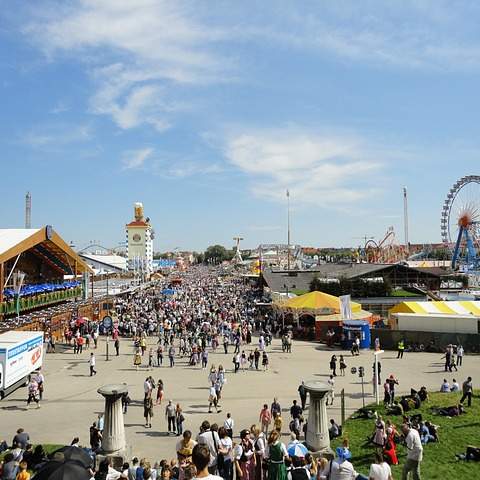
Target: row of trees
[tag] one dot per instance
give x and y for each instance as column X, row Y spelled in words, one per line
column 356, row 287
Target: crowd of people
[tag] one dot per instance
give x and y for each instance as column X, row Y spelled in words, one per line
column 209, row 313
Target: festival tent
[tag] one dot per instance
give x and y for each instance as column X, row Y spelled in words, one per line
column 447, row 307
column 318, row 303
column 325, row 310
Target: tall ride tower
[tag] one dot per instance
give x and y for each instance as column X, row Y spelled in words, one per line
column 28, row 210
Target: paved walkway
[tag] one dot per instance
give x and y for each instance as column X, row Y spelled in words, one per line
column 72, row 403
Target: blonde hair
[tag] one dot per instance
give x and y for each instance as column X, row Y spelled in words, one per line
column 255, row 430
column 273, row 437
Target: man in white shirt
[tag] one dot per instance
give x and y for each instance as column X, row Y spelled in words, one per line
column 201, row 460
column 229, row 424
column 92, row 363
column 455, row 387
column 211, row 440
column 414, row 453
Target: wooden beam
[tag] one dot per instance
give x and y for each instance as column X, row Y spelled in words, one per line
column 58, row 241
column 2, row 280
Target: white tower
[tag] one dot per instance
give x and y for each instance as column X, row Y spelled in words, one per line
column 28, row 210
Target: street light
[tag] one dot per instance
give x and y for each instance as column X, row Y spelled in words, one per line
column 376, row 354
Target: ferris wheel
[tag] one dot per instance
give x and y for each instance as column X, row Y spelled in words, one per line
column 460, row 221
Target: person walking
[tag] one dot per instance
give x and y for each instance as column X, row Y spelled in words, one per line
column 33, row 393
column 40, row 379
column 159, row 392
column 333, row 365
column 467, row 389
column 92, row 363
column 148, row 410
column 265, row 419
column 117, row 346
column 343, row 366
column 159, row 355
column 265, row 361
column 460, row 352
column 400, row 348
column 170, row 415
column 171, row 356
column 179, row 419
column 229, row 425
column 414, row 453
column 213, row 400
column 137, row 358
column 302, row 391
column 331, row 392
column 256, row 358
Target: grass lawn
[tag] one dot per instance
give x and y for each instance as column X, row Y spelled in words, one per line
column 48, row 447
column 404, row 293
column 438, row 458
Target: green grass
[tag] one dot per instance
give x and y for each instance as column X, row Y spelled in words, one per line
column 438, row 458
column 299, row 292
column 48, row 447
column 404, row 293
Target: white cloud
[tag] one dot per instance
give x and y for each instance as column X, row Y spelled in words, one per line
column 325, row 170
column 133, row 50
column 55, row 135
column 135, row 159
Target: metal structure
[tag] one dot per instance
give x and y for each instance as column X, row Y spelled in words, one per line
column 405, row 218
column 28, row 210
column 238, row 255
column 460, row 223
column 385, row 251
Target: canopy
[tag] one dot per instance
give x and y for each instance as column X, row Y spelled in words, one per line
column 432, row 308
column 317, row 303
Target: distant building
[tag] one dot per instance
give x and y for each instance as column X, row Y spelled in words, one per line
column 140, row 236
column 105, row 263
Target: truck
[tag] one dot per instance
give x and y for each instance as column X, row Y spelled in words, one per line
column 21, row 353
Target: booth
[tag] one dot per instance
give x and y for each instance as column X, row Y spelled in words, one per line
column 356, row 328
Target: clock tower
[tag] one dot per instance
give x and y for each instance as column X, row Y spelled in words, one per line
column 140, row 236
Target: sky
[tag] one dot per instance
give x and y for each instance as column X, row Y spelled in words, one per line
column 207, row 112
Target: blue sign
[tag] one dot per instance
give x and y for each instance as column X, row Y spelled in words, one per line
column 107, row 322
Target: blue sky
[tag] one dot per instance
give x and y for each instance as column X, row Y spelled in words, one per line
column 208, row 111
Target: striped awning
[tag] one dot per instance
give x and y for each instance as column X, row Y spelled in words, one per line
column 432, row 308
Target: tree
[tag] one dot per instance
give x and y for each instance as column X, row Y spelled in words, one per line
column 216, row 254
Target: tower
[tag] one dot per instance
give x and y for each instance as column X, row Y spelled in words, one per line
column 140, row 242
column 28, row 210
column 405, row 217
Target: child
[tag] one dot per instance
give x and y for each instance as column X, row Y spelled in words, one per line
column 23, row 473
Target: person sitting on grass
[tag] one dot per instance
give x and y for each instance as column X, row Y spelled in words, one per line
column 423, row 394
column 433, row 430
column 445, row 387
column 425, row 435
column 472, row 453
column 334, row 430
column 453, row 411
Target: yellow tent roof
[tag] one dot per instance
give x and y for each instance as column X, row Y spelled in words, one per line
column 319, row 303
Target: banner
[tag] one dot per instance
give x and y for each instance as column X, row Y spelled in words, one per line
column 345, row 307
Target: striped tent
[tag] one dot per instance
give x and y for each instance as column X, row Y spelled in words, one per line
column 432, row 308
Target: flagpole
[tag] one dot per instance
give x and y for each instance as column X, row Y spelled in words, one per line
column 288, row 230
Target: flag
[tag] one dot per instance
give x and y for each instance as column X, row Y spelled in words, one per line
column 345, row 307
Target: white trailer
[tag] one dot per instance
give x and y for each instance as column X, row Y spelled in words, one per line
column 21, row 353
column 435, row 322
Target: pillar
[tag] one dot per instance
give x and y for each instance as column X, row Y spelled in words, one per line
column 317, row 438
column 113, row 440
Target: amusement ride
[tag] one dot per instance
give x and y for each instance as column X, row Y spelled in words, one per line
column 460, row 223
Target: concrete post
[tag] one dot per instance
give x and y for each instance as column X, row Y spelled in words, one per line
column 317, row 438
column 113, row 440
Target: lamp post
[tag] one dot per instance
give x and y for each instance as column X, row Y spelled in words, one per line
column 376, row 354
column 285, row 286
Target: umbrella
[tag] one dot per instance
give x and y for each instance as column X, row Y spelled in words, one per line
column 63, row 471
column 73, row 454
column 168, row 291
column 297, row 449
